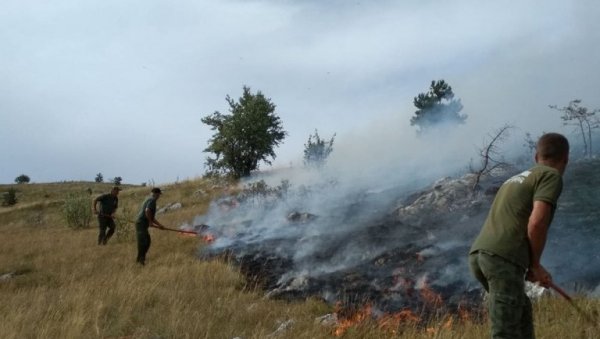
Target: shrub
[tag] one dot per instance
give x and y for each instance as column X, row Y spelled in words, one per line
column 125, row 225
column 117, row 181
column 9, row 198
column 22, row 179
column 77, row 210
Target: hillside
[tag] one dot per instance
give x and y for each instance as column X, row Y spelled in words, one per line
column 56, row 282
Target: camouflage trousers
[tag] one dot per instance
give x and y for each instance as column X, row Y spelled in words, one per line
column 509, row 307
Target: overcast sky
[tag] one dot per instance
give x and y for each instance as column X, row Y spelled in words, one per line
column 119, row 87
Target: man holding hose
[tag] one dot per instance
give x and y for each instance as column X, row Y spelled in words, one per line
column 509, row 247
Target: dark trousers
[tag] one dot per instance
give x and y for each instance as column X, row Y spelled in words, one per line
column 143, row 242
column 105, row 223
column 509, row 307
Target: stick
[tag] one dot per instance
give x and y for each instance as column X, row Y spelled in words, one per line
column 564, row 294
column 175, row 230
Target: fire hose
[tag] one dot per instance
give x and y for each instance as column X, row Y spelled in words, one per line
column 581, row 312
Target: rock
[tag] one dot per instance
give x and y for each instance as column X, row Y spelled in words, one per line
column 330, row 319
column 7, row 276
column 300, row 217
column 170, row 207
column 282, row 328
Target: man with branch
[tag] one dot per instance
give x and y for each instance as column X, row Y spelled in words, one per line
column 509, row 247
column 109, row 203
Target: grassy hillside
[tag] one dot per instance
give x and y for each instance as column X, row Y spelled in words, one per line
column 57, row 283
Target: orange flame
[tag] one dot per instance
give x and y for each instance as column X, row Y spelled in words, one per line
column 391, row 322
column 356, row 318
column 430, row 296
column 208, row 238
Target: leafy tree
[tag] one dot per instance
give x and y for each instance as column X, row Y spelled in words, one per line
column 22, row 179
column 117, row 181
column 99, row 178
column 317, row 150
column 437, row 106
column 244, row 137
column 583, row 118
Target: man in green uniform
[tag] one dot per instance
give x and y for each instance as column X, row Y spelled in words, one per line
column 146, row 219
column 109, row 203
column 510, row 244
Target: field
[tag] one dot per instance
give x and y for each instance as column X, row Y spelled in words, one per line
column 57, row 283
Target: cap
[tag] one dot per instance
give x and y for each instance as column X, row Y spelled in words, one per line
column 156, row 190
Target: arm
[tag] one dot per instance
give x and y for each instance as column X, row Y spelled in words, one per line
column 537, row 231
column 151, row 220
column 94, row 210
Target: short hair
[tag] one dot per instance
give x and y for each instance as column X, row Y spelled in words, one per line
column 552, row 146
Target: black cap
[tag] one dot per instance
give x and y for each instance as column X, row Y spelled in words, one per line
column 156, row 190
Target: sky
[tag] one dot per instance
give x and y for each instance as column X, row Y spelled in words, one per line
column 119, row 87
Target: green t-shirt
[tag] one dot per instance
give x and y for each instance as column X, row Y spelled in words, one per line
column 504, row 232
column 150, row 203
column 108, row 204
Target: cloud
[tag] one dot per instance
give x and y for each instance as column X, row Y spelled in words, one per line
column 131, row 80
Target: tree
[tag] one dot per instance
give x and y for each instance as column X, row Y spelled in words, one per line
column 582, row 117
column 22, row 179
column 489, row 154
column 244, row 137
column 317, row 150
column 117, row 181
column 436, row 107
column 99, row 178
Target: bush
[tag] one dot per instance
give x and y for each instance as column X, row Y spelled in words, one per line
column 77, row 210
column 9, row 198
column 117, row 181
column 22, row 179
column 125, row 225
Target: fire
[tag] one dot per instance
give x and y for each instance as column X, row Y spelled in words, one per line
column 390, row 322
column 356, row 318
column 429, row 295
column 208, row 238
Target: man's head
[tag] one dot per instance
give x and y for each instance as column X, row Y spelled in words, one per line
column 115, row 190
column 156, row 192
column 552, row 149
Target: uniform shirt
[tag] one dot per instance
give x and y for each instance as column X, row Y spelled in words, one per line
column 108, row 204
column 150, row 203
column 504, row 232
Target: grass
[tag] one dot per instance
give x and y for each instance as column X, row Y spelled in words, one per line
column 65, row 286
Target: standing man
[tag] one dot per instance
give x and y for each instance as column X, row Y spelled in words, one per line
column 146, row 219
column 510, row 244
column 109, row 203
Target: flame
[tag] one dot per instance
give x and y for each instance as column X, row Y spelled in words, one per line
column 208, row 238
column 356, row 318
column 392, row 321
column 429, row 295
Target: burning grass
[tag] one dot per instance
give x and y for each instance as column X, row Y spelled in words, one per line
column 65, row 286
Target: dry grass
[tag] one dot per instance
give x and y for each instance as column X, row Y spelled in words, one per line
column 65, row 286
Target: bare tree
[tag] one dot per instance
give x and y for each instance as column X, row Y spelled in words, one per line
column 489, row 154
column 582, row 117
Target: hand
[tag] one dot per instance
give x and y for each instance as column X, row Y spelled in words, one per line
column 540, row 275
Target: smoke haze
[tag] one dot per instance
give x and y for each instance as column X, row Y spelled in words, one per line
column 84, row 82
